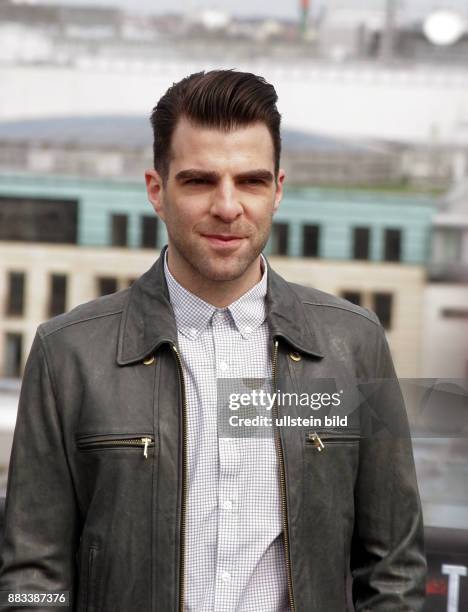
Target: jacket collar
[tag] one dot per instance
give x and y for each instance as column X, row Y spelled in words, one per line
column 148, row 318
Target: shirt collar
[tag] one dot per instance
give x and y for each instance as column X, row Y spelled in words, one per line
column 192, row 314
column 147, row 321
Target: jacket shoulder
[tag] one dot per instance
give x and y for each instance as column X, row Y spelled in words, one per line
column 105, row 306
column 335, row 305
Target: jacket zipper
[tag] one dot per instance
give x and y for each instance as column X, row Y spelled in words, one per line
column 329, row 438
column 184, row 484
column 145, row 442
column 284, row 507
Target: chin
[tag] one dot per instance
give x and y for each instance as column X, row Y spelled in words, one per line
column 223, row 272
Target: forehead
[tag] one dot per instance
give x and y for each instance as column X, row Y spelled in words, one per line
column 200, row 146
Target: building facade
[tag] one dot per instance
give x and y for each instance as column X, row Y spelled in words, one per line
column 445, row 347
column 64, row 241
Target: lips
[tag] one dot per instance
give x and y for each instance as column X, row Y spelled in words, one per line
column 224, row 237
column 223, row 242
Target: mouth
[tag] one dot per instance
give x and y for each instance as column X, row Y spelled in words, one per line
column 225, row 237
column 223, row 240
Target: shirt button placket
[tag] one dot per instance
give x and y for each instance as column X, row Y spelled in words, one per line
column 227, row 524
column 228, row 480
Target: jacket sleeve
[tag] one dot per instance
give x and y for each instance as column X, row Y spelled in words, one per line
column 388, row 562
column 41, row 514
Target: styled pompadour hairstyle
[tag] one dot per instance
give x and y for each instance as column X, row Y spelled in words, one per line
column 221, row 99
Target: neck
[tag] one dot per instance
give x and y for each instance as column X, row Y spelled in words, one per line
column 220, row 293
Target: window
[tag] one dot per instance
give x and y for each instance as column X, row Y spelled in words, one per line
column 38, row 220
column 149, row 231
column 310, row 240
column 361, row 238
column 382, row 306
column 13, row 355
column 279, row 239
column 106, row 285
column 454, row 313
column 450, row 240
column 58, row 294
column 392, row 245
column 119, row 230
column 352, row 296
column 15, row 299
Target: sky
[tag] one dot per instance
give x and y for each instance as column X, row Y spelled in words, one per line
column 271, row 8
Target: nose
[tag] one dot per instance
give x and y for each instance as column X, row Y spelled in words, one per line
column 225, row 203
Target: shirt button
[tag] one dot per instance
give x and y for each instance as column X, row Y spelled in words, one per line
column 217, row 317
column 247, row 329
column 223, row 366
column 225, row 576
column 193, row 332
column 226, row 504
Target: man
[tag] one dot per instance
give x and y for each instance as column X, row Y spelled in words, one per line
column 127, row 488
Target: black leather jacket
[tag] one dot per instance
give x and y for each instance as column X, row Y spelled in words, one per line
column 97, row 494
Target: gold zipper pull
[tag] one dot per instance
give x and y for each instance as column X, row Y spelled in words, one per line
column 315, row 438
column 146, row 441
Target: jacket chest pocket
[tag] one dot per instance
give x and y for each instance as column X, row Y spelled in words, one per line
column 116, row 476
column 331, row 460
column 143, row 442
column 321, row 440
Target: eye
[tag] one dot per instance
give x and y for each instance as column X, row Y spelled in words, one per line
column 196, row 181
column 253, row 181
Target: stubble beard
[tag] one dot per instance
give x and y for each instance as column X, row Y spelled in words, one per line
column 214, row 267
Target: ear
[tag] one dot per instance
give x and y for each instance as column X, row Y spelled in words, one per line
column 279, row 189
column 155, row 191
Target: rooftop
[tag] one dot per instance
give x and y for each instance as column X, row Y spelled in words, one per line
column 134, row 131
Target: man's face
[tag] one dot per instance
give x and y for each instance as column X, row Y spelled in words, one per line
column 219, row 198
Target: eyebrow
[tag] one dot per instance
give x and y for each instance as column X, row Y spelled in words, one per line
column 191, row 173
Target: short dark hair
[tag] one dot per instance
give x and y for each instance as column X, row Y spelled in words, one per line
column 222, row 99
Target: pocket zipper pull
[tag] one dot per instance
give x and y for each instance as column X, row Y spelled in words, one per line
column 315, row 438
column 145, row 441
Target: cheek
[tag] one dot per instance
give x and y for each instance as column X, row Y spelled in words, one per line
column 185, row 213
column 261, row 214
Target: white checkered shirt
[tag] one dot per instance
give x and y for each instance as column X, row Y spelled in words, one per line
column 235, row 560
